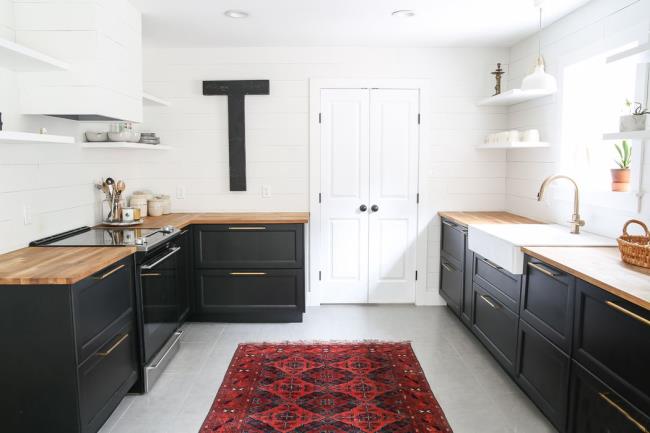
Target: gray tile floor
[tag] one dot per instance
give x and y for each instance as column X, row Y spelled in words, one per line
column 476, row 395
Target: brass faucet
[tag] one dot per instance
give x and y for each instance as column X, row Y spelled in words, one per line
column 576, row 222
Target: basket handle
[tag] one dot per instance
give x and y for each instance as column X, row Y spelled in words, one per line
column 643, row 226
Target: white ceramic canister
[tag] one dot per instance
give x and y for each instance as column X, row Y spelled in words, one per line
column 167, row 203
column 156, row 207
column 140, row 202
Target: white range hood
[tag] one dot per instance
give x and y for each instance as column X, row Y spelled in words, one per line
column 101, row 40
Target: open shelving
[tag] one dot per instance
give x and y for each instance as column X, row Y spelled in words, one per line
column 28, row 137
column 640, row 54
column 514, row 96
column 514, row 145
column 150, row 99
column 124, row 145
column 20, row 58
column 629, row 135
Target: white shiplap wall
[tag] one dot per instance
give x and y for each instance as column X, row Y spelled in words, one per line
column 599, row 26
column 458, row 177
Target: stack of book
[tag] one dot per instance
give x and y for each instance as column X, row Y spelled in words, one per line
column 149, row 138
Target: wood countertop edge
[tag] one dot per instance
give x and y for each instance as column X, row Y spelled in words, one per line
column 590, row 279
column 486, row 217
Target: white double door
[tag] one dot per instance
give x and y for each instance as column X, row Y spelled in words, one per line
column 369, row 183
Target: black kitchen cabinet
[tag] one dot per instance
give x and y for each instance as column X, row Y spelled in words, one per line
column 612, row 340
column 466, row 305
column 543, row 371
column 455, row 262
column 503, row 285
column 496, row 326
column 75, row 341
column 451, row 282
column 185, row 275
column 597, row 408
column 249, row 273
column 547, row 302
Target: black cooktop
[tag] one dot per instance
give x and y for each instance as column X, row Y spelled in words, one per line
column 141, row 238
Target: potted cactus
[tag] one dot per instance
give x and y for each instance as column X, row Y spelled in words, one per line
column 621, row 175
column 636, row 120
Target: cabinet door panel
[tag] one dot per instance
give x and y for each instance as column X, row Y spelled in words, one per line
column 543, row 372
column 451, row 281
column 596, row 408
column 452, row 241
column 612, row 340
column 249, row 246
column 547, row 302
column 505, row 286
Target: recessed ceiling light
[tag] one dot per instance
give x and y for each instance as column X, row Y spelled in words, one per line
column 404, row 13
column 236, row 14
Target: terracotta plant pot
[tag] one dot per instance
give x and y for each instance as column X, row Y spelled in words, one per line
column 620, row 179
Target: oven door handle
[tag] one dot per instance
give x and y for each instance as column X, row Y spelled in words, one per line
column 172, row 251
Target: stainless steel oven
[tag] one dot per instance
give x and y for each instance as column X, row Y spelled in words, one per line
column 163, row 281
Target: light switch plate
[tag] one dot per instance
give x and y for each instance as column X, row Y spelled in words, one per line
column 266, row 191
column 180, row 193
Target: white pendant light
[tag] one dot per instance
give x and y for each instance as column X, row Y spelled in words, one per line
column 539, row 80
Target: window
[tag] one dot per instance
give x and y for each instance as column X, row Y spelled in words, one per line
column 594, row 95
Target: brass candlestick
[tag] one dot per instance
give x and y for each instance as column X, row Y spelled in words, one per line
column 497, row 74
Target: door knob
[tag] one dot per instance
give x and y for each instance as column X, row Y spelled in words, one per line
column 374, row 208
column 363, row 208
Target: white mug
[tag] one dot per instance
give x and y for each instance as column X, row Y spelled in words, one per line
column 531, row 135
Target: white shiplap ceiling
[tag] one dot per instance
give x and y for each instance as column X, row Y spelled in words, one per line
column 195, row 23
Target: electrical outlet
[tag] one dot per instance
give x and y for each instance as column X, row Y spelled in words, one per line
column 266, row 191
column 27, row 214
column 180, row 193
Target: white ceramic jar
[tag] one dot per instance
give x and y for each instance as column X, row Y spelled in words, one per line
column 155, row 207
column 167, row 203
column 140, row 202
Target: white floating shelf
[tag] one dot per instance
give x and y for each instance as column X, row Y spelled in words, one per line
column 28, row 137
column 640, row 54
column 515, row 145
column 154, row 100
column 630, row 135
column 20, row 58
column 124, row 145
column 514, row 96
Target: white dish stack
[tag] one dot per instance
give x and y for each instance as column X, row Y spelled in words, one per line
column 513, row 136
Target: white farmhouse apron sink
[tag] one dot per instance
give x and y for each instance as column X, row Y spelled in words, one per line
column 502, row 243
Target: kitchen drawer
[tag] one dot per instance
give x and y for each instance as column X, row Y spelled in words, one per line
column 452, row 240
column 106, row 377
column 496, row 327
column 102, row 304
column 543, row 371
column 506, row 287
column 251, row 295
column 271, row 246
column 597, row 408
column 451, row 281
column 612, row 340
column 547, row 302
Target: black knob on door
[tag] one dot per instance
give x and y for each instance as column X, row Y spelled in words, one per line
column 363, row 208
column 374, row 208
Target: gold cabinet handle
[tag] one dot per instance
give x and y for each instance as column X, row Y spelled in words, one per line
column 543, row 270
column 111, row 272
column 151, row 274
column 489, row 302
column 628, row 313
column 448, row 267
column 623, row 412
column 242, row 274
column 247, row 228
column 114, row 346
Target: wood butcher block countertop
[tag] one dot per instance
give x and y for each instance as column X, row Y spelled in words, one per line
column 467, row 218
column 182, row 220
column 57, row 265
column 602, row 267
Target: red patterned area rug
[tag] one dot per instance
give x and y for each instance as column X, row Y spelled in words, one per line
column 372, row 387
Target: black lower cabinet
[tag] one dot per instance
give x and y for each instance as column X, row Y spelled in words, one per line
column 451, row 282
column 543, row 371
column 71, row 355
column 597, row 408
column 496, row 327
column 250, row 295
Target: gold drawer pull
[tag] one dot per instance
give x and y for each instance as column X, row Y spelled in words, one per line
column 247, row 228
column 490, row 264
column 543, row 270
column 489, row 302
column 628, row 313
column 623, row 412
column 107, row 274
column 241, row 274
column 151, row 274
column 114, row 346
column 448, row 267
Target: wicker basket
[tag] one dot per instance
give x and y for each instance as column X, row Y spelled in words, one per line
column 635, row 250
